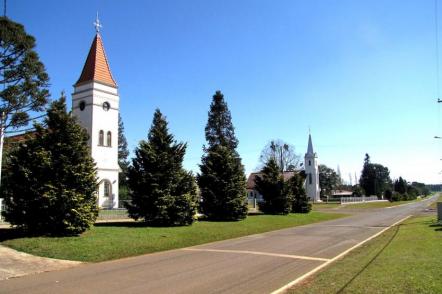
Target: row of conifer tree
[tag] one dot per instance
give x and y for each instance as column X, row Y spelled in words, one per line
column 50, row 179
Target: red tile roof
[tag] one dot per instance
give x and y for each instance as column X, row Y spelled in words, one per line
column 96, row 68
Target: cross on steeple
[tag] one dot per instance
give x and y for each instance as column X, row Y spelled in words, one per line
column 97, row 24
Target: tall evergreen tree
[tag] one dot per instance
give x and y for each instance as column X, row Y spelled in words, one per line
column 375, row 178
column 300, row 202
column 400, row 186
column 51, row 182
column 23, row 77
column 222, row 181
column 123, row 153
column 270, row 184
column 219, row 129
column 162, row 192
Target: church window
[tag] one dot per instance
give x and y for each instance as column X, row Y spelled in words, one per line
column 82, row 105
column 310, row 179
column 109, row 139
column 101, row 138
column 106, row 106
column 309, row 162
column 107, row 188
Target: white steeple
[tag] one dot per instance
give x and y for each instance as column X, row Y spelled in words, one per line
column 312, row 172
column 95, row 102
column 310, row 144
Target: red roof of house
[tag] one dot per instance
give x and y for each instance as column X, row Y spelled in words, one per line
column 96, row 68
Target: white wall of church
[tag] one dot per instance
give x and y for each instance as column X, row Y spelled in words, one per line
column 95, row 118
column 312, row 180
column 312, row 173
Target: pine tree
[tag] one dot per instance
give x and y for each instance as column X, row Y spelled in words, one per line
column 222, row 181
column 51, row 181
column 162, row 192
column 23, row 77
column 219, row 129
column 123, row 153
column 270, row 184
column 375, row 178
column 400, row 186
column 300, row 202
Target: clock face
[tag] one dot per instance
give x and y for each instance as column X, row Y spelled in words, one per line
column 106, row 106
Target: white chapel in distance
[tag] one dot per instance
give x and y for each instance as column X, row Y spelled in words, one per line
column 95, row 102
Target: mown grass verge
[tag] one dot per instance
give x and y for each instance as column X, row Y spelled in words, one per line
column 107, row 241
column 404, row 259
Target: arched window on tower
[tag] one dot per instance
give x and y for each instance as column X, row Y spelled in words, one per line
column 310, row 179
column 109, row 139
column 101, row 138
column 309, row 162
column 107, row 189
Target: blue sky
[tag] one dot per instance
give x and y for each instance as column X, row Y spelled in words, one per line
column 360, row 74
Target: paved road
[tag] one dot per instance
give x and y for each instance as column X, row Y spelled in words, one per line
column 254, row 264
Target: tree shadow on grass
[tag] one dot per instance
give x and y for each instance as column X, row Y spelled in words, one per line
column 122, row 224
column 371, row 260
column 436, row 224
column 11, row 234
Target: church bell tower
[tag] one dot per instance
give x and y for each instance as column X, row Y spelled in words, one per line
column 95, row 103
column 312, row 173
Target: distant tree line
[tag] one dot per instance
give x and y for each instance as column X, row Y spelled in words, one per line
column 375, row 180
column 402, row 190
column 434, row 187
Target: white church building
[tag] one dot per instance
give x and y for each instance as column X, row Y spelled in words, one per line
column 95, row 103
column 311, row 181
column 312, row 173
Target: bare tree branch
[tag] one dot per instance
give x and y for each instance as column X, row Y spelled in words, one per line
column 283, row 153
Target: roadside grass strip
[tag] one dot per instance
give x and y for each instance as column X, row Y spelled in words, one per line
column 404, row 259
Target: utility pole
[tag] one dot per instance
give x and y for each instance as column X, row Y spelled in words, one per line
column 2, row 138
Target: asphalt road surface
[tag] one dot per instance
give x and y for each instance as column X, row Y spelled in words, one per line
column 259, row 263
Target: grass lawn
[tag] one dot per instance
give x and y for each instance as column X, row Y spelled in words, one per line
column 404, row 259
column 316, row 206
column 116, row 240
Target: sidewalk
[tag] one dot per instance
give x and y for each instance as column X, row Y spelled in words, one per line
column 15, row 264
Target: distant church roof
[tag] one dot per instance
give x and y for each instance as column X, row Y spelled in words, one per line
column 96, row 68
column 251, row 179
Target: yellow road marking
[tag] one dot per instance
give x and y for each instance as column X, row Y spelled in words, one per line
column 258, row 253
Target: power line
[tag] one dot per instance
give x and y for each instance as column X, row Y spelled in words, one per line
column 20, row 131
column 436, row 23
